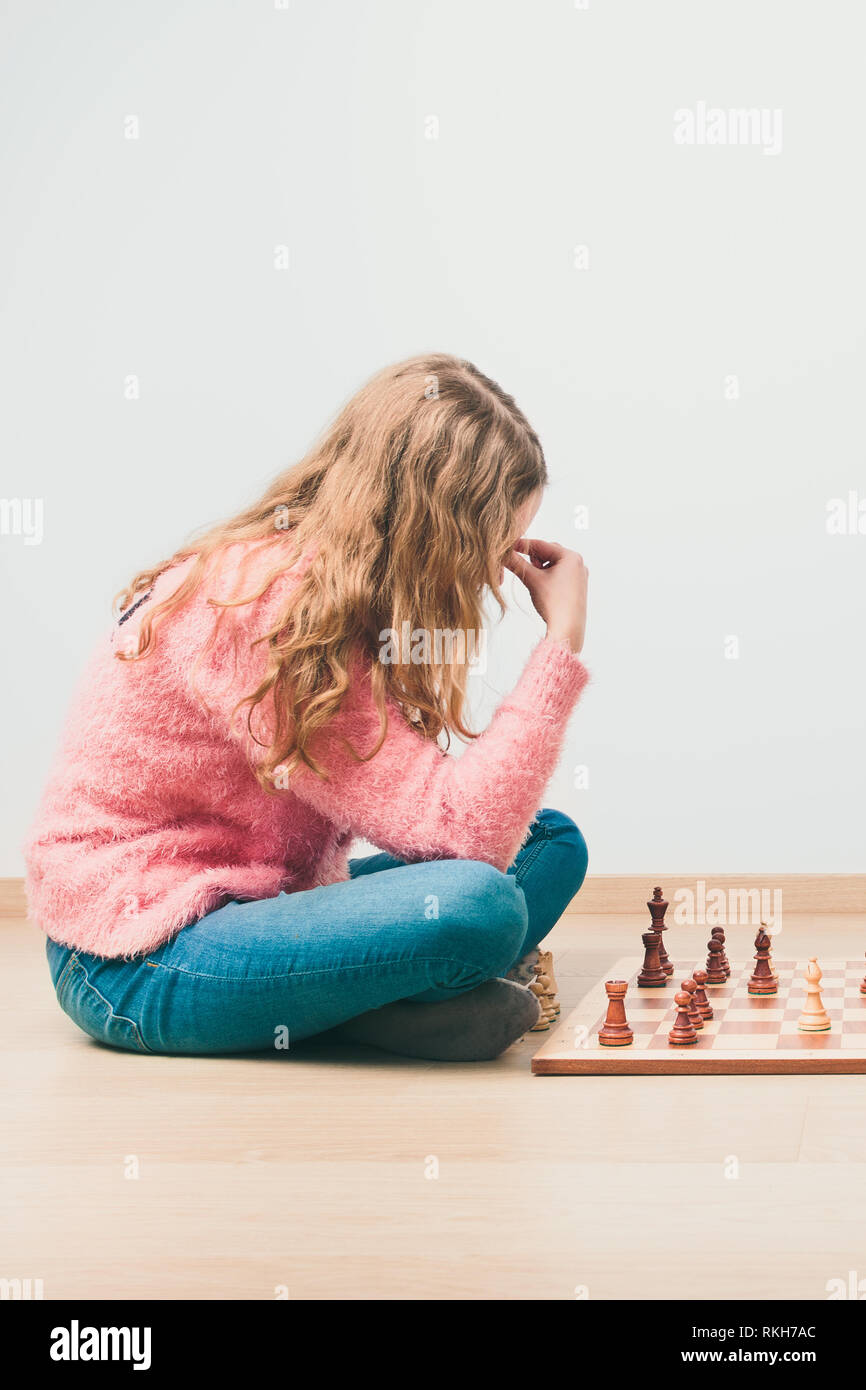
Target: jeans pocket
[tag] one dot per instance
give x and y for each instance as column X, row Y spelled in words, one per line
column 91, row 1011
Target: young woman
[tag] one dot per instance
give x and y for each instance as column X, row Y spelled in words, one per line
column 252, row 713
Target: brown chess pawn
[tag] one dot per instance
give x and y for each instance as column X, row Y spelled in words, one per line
column 695, row 1015
column 719, row 934
column 652, row 975
column 658, row 907
column 615, row 1032
column 703, row 1003
column 715, row 970
column 762, row 980
column 682, row 1034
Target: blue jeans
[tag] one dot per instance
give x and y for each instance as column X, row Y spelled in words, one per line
column 258, row 975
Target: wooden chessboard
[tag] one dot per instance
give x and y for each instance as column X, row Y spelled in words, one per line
column 746, row 1034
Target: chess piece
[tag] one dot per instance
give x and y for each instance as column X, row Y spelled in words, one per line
column 652, row 975
column 700, row 995
column 863, row 985
column 545, row 960
column 695, row 1015
column 544, row 995
column 773, row 970
column 814, row 1018
column 715, row 970
column 719, row 934
column 547, row 997
column 543, row 1020
column 658, row 907
column 615, row 1032
column 682, row 1034
column 762, row 980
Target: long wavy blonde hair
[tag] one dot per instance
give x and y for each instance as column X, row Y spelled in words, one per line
column 407, row 504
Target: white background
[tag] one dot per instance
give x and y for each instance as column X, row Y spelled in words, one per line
column 307, row 127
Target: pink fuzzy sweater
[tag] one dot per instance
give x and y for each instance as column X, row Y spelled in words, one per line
column 153, row 816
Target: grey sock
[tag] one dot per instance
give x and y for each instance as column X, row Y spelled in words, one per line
column 472, row 1027
column 522, row 971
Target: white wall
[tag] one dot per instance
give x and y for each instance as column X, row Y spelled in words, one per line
column 308, row 127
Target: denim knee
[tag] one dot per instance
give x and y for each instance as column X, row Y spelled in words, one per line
column 570, row 842
column 484, row 919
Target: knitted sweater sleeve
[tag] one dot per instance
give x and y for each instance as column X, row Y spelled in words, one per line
column 416, row 801
column 411, row 798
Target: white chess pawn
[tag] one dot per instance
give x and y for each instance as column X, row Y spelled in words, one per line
column 813, row 1019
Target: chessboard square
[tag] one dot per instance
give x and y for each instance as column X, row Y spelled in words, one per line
column 854, row 1021
column 854, row 1042
column 818, row 1042
column 760, row 1015
column 853, row 992
column 754, row 1026
column 745, row 1042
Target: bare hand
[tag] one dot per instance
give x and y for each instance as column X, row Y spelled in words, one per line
column 557, row 580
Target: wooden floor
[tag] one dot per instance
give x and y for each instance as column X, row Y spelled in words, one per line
column 308, row 1173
